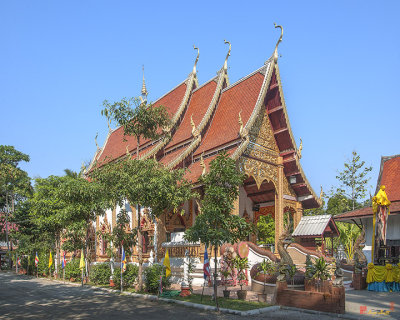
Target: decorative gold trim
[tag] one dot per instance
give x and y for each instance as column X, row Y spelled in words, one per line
column 167, row 138
column 185, row 153
column 203, row 165
column 277, row 44
column 195, row 132
column 221, row 78
column 256, row 111
column 300, row 149
column 259, row 170
column 227, row 56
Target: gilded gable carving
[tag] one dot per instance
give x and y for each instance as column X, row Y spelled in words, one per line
column 287, row 189
column 259, row 170
column 261, row 133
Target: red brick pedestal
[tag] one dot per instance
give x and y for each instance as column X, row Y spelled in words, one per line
column 332, row 300
column 359, row 281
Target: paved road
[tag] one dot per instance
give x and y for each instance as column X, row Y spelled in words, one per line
column 23, row 297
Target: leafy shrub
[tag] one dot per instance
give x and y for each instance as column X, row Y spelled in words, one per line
column 128, row 277
column 152, row 278
column 100, row 273
column 72, row 270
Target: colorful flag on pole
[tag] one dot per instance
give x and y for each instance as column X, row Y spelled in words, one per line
column 123, row 260
column 64, row 262
column 36, row 260
column 50, row 260
column 19, row 261
column 167, row 264
column 206, row 266
column 82, row 262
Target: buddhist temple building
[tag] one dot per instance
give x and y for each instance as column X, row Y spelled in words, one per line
column 249, row 120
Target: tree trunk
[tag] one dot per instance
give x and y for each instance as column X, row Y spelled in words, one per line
column 140, row 253
column 139, row 234
column 7, row 213
column 215, row 277
column 58, row 251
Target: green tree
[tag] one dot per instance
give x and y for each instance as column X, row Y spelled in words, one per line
column 146, row 183
column 15, row 183
column 216, row 225
column 140, row 120
column 338, row 203
column 354, row 179
column 48, row 209
column 82, row 201
column 266, row 230
column 348, row 236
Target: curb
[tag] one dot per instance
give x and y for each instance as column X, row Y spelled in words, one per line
column 194, row 305
column 337, row 315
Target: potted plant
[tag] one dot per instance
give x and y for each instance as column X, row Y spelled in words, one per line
column 225, row 274
column 241, row 264
column 265, row 267
column 291, row 271
column 321, row 272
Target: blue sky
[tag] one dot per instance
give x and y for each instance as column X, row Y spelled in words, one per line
column 340, row 69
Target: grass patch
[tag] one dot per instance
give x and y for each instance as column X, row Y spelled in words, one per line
column 234, row 304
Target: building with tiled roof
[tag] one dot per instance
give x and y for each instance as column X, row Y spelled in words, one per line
column 248, row 119
column 389, row 176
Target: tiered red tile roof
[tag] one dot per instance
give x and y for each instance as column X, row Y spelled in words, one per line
column 216, row 107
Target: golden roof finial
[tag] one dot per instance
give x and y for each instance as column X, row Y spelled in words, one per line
column 95, row 141
column 279, row 41
column 227, row 56
column 203, row 165
column 144, row 90
column 321, row 194
column 127, row 151
column 197, row 59
column 300, row 149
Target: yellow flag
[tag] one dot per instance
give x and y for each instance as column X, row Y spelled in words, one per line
column 50, row 260
column 82, row 262
column 167, row 264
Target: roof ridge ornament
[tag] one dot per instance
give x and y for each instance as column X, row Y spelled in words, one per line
column 197, row 59
column 227, row 56
column 279, row 41
column 195, row 132
column 300, row 149
column 127, row 151
column 95, row 141
column 203, row 165
column 242, row 131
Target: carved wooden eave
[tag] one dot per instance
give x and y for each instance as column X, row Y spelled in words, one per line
column 221, row 80
column 294, row 150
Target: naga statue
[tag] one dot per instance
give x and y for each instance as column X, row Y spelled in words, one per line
column 286, row 259
column 338, row 281
column 358, row 246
